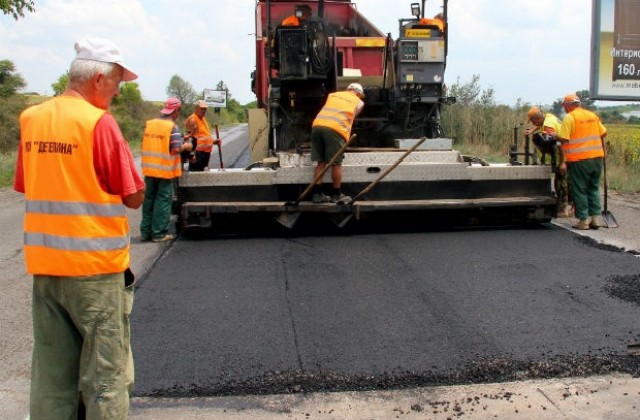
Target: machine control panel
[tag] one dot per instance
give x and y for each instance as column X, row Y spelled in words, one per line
column 423, row 51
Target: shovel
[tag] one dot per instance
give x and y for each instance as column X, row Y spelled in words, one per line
column 219, row 147
column 607, row 216
column 322, row 172
column 289, row 219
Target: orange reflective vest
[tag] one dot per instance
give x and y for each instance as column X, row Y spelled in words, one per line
column 71, row 226
column 338, row 113
column 157, row 161
column 585, row 138
column 203, row 135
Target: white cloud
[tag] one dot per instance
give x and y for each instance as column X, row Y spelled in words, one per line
column 537, row 51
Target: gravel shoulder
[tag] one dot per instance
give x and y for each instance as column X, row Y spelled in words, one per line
column 613, row 396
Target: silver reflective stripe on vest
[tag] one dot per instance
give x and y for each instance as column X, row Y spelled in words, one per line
column 75, row 244
column 166, row 156
column 585, row 148
column 342, row 121
column 157, row 155
column 582, row 150
column 584, row 139
column 161, row 167
column 75, row 208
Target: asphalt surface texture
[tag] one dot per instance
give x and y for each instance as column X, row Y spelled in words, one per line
column 442, row 324
column 363, row 312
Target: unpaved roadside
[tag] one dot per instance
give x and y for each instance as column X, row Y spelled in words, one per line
column 614, row 396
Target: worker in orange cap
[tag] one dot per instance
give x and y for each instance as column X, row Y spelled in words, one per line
column 546, row 127
column 582, row 137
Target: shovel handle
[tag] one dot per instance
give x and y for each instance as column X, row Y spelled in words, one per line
column 325, row 169
column 219, row 146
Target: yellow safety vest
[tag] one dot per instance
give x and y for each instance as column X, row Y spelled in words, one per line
column 203, row 136
column 157, row 161
column 338, row 113
column 584, row 141
column 72, row 227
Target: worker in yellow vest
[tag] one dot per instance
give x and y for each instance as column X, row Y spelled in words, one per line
column 162, row 144
column 544, row 132
column 330, row 130
column 78, row 174
column 197, row 127
column 582, row 137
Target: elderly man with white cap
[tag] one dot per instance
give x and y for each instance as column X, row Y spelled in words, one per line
column 77, row 174
column 582, row 137
column 330, row 130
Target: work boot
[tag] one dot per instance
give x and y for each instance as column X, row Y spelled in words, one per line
column 564, row 212
column 582, row 225
column 340, row 199
column 320, row 198
column 165, row 238
column 596, row 222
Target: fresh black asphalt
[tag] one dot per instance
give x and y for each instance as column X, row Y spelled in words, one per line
column 374, row 311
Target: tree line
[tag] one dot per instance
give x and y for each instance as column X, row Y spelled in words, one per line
column 129, row 108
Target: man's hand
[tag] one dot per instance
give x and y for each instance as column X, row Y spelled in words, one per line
column 134, row 201
column 187, row 146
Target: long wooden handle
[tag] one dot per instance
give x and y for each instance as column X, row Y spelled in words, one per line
column 325, row 169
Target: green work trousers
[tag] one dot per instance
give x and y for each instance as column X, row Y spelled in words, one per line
column 584, row 182
column 81, row 349
column 156, row 208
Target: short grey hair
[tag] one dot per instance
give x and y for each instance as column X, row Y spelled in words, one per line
column 82, row 70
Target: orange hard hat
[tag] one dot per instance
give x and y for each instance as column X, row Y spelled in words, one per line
column 571, row 98
column 534, row 112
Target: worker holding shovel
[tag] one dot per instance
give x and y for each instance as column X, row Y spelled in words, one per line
column 331, row 130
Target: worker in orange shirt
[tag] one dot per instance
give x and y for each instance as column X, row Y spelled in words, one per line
column 582, row 137
column 299, row 18
column 437, row 20
column 197, row 126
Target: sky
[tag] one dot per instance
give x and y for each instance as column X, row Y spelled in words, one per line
column 529, row 51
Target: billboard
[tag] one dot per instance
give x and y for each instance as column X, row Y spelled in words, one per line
column 215, row 98
column 615, row 50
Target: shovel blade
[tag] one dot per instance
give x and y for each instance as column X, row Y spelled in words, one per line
column 288, row 219
column 609, row 220
column 340, row 220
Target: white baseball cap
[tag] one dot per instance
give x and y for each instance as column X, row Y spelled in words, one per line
column 356, row 87
column 104, row 50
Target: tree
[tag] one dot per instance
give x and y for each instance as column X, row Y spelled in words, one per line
column 59, row 86
column 222, row 86
column 16, row 8
column 10, row 81
column 585, row 99
column 130, row 111
column 181, row 89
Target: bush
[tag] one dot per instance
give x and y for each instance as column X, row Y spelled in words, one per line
column 10, row 109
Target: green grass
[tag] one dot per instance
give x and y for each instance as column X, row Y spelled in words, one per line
column 7, row 169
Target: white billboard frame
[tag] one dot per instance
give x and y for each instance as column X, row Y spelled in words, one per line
column 615, row 50
column 215, row 98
